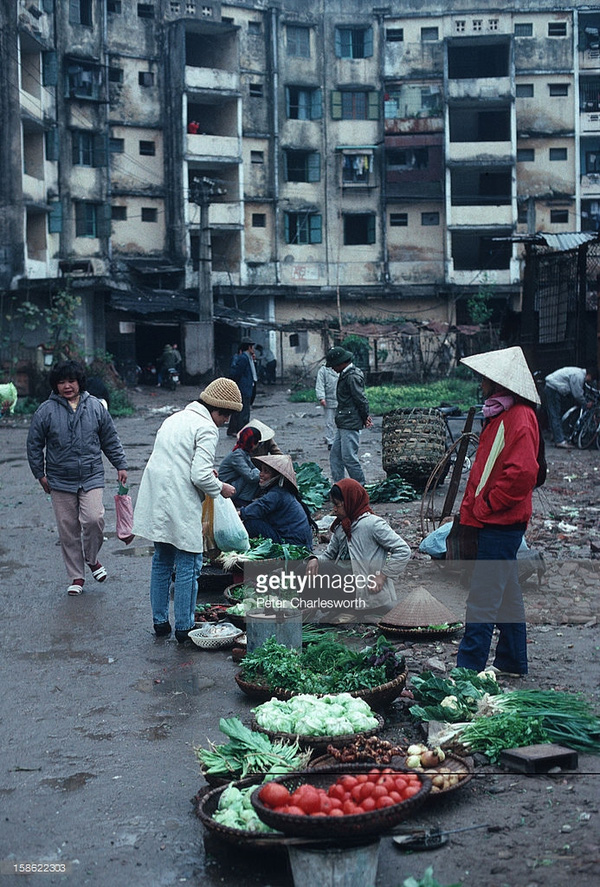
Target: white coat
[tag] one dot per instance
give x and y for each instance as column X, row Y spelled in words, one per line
column 176, row 479
column 326, row 386
column 373, row 548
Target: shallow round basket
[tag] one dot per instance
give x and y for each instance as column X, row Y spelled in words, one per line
column 206, row 642
column 260, row 692
column 351, row 827
column 325, row 762
column 375, row 697
column 456, row 766
column 318, row 743
column 402, row 631
column 207, row 805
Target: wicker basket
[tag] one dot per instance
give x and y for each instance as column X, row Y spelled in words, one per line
column 200, row 637
column 404, row 631
column 355, row 826
column 412, row 443
column 208, row 803
column 375, row 697
column 319, row 743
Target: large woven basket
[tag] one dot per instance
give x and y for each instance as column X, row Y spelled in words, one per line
column 319, row 743
column 207, row 804
column 376, row 697
column 412, row 443
column 350, row 827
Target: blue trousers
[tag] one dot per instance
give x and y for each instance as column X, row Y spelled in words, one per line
column 344, row 456
column 495, row 598
column 187, row 566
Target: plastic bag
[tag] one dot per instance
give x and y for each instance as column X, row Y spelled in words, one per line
column 124, row 511
column 208, row 516
column 229, row 531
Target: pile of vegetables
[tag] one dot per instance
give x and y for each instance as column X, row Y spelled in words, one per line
column 249, row 752
column 393, row 488
column 307, row 715
column 325, row 666
column 348, row 796
column 312, row 485
column 451, row 699
column 236, row 811
column 263, row 549
column 365, row 748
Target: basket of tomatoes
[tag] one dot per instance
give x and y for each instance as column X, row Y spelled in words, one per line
column 347, row 801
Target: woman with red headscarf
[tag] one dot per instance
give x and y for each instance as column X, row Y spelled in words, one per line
column 365, row 543
column 238, row 469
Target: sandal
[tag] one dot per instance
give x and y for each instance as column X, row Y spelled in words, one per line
column 98, row 571
column 76, row 587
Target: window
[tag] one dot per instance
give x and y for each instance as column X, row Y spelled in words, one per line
column 55, row 217
column 119, row 213
column 354, row 43
column 302, row 166
column 255, row 90
column 148, row 149
column 83, row 149
column 524, row 90
column 558, row 88
column 557, row 29
column 145, row 78
column 354, row 105
column 477, row 24
column 559, row 216
column 357, row 168
column 303, row 227
column 145, row 10
column 116, row 146
column 115, row 75
column 524, row 29
column 558, row 153
column 149, row 214
column 113, row 6
column 86, row 220
column 430, row 219
column 80, row 12
column 407, row 158
column 82, row 81
column 398, row 220
column 523, row 213
column 257, row 157
column 303, row 103
column 592, row 162
column 429, row 35
column 298, row 41
column 525, row 155
column 460, row 26
column 394, row 35
column 493, row 24
column 255, row 28
column 259, row 220
column 359, row 228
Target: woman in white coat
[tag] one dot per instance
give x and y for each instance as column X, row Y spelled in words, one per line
column 179, row 474
column 365, row 543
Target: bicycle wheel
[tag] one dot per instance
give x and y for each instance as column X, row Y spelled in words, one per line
column 569, row 421
column 588, row 431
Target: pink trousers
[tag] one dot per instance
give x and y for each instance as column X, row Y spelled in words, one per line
column 80, row 523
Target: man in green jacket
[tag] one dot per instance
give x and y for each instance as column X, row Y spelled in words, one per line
column 352, row 414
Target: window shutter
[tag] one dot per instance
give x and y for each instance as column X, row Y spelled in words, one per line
column 368, row 44
column 75, row 136
column 55, row 217
column 100, row 157
column 285, row 166
column 316, row 105
column 314, row 167
column 48, row 5
column 103, row 218
column 287, row 102
column 336, row 105
column 371, row 229
column 373, row 107
column 286, row 220
column 52, row 144
column 74, row 16
column 49, row 68
column 315, row 228
column 338, row 43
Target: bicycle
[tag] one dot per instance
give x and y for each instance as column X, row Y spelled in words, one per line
column 581, row 424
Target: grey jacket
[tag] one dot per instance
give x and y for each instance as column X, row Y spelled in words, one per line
column 352, row 405
column 73, row 441
column 238, row 470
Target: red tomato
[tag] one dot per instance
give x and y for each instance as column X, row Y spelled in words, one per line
column 336, row 812
column 356, row 793
column 327, row 804
column 310, row 801
column 273, row 794
column 347, row 782
column 335, row 803
column 350, row 808
column 362, row 778
column 386, row 801
column 366, row 790
column 319, row 813
column 401, row 783
column 410, row 791
column 396, row 797
column 387, row 770
column 336, row 791
column 379, row 791
column 388, row 781
column 295, row 811
column 368, row 804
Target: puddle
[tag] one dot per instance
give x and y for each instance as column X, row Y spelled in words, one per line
column 153, row 734
column 69, row 783
column 190, row 684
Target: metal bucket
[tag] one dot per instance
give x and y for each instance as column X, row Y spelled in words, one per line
column 335, row 866
column 285, row 625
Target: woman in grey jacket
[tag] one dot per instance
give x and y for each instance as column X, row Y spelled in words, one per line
column 68, row 434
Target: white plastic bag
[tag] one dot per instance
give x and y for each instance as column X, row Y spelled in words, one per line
column 228, row 530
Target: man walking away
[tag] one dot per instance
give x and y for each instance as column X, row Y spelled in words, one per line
column 352, row 414
column 325, row 389
column 568, row 381
column 243, row 372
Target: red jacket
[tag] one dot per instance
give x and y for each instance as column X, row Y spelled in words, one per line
column 505, row 471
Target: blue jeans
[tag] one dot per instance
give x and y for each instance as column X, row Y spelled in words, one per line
column 344, row 456
column 495, row 598
column 187, row 566
column 554, row 408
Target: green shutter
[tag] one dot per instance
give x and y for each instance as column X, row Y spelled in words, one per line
column 338, row 43
column 52, row 144
column 286, row 220
column 336, row 105
column 55, row 217
column 314, row 167
column 371, row 229
column 103, row 217
column 49, row 68
column 368, row 43
column 316, row 105
column 100, row 149
column 315, row 228
column 373, row 107
column 285, row 166
column 74, row 18
column 287, row 102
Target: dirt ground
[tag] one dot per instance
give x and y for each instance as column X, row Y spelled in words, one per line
column 99, row 719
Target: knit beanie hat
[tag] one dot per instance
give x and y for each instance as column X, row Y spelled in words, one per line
column 224, row 394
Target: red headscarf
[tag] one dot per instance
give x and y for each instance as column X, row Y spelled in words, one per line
column 356, row 502
column 247, row 439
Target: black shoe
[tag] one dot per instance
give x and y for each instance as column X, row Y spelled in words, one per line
column 182, row 636
column 162, row 629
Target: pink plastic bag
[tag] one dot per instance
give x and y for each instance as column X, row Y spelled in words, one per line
column 124, row 510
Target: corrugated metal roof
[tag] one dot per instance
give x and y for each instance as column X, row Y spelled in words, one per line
column 566, row 241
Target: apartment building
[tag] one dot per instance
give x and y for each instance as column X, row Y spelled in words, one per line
column 185, row 165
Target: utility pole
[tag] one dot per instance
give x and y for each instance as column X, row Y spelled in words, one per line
column 203, row 191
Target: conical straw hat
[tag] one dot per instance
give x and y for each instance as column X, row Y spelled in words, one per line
column 281, row 464
column 266, row 433
column 508, row 368
column 418, row 610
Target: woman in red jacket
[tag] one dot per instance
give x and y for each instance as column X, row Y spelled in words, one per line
column 498, row 501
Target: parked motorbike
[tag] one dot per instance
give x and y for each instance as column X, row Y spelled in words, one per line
column 148, row 374
column 172, row 379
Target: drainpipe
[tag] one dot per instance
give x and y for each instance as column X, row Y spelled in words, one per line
column 380, row 16
column 275, row 129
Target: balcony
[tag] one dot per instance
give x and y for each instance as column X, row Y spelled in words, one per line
column 34, row 189
column 590, row 185
column 479, row 89
column 212, row 146
column 503, row 277
column 589, row 121
column 211, row 79
column 480, row 215
column 480, row 152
